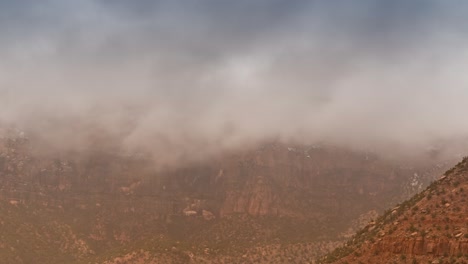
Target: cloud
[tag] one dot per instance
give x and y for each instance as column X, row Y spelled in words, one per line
column 182, row 80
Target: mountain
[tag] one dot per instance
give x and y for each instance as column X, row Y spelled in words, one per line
column 268, row 203
column 431, row 227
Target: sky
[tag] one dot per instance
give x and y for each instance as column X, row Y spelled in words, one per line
column 185, row 79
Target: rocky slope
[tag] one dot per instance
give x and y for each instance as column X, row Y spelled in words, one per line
column 274, row 203
column 432, row 227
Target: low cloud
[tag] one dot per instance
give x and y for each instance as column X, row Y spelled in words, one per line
column 186, row 81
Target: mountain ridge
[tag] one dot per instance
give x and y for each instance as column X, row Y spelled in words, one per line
column 276, row 203
column 431, row 226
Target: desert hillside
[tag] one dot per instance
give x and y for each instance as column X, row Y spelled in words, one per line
column 431, row 227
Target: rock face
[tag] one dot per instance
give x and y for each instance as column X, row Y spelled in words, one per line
column 281, row 181
column 423, row 246
column 256, row 199
column 431, row 225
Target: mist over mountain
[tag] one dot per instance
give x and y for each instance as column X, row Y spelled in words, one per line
column 186, row 80
column 266, row 131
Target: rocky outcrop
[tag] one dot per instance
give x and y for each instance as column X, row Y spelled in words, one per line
column 257, row 199
column 423, row 246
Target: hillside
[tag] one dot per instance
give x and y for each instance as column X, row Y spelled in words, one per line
column 272, row 203
column 432, row 227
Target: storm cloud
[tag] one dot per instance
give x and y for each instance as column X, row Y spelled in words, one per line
column 186, row 79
